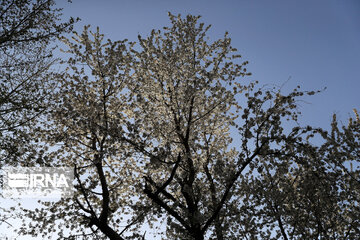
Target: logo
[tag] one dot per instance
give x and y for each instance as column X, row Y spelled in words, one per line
column 37, row 182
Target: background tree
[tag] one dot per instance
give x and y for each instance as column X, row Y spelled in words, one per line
column 28, row 30
column 308, row 191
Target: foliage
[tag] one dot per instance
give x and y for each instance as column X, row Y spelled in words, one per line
column 168, row 132
column 27, row 29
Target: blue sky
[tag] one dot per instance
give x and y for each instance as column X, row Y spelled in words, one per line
column 316, row 43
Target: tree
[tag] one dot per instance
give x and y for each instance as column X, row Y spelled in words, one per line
column 28, row 30
column 310, row 192
column 85, row 111
column 149, row 132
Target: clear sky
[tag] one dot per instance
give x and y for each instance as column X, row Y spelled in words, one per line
column 315, row 42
